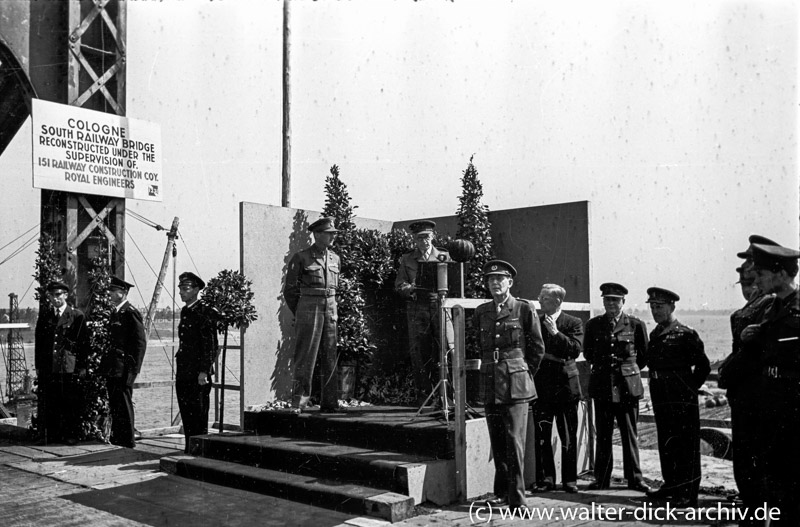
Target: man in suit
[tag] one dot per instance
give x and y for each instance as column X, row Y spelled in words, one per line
column 739, row 374
column 312, row 280
column 61, row 351
column 775, row 340
column 422, row 308
column 511, row 350
column 559, row 389
column 123, row 362
column 195, row 359
column 615, row 344
column 678, row 368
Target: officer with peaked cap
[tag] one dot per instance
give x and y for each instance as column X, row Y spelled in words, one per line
column 422, row 314
column 739, row 374
column 776, row 341
column 195, row 358
column 511, row 349
column 123, row 361
column 312, row 280
column 615, row 344
column 678, row 368
column 62, row 349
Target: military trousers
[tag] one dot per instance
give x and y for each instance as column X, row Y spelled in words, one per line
column 508, row 425
column 316, row 334
column 120, row 403
column 780, row 425
column 193, row 403
column 59, row 406
column 424, row 330
column 565, row 414
column 626, row 415
column 678, row 428
column 748, row 458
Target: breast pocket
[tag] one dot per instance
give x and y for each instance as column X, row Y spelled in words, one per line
column 333, row 275
column 513, row 331
column 314, row 276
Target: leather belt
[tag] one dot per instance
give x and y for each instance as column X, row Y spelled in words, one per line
column 774, row 372
column 550, row 356
column 317, row 291
column 497, row 355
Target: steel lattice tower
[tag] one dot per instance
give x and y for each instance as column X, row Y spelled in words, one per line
column 17, row 364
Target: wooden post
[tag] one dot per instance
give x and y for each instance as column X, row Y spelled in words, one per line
column 460, row 395
column 286, row 175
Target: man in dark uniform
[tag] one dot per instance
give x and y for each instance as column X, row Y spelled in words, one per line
column 776, row 340
column 195, row 358
column 62, row 347
column 511, row 349
column 678, row 368
column 739, row 374
column 559, row 389
column 615, row 344
column 123, row 362
column 310, row 293
column 422, row 314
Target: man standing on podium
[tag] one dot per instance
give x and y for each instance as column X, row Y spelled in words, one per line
column 422, row 308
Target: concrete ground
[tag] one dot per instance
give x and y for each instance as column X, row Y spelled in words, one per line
column 93, row 484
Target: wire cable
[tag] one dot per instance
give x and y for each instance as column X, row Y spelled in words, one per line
column 20, row 236
column 183, row 239
column 22, row 248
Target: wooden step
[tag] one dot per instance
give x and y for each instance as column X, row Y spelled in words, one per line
column 333, row 494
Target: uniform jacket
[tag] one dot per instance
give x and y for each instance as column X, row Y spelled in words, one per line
column 677, row 348
column 310, row 268
column 62, row 345
column 616, row 356
column 511, row 350
column 779, row 343
column 405, row 282
column 740, row 368
column 557, row 379
column 198, row 341
column 128, row 345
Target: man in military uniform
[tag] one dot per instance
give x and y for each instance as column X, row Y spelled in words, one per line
column 615, row 344
column 422, row 313
column 678, row 368
column 739, row 374
column 62, row 348
column 123, row 362
column 310, row 293
column 559, row 389
column 511, row 349
column 195, row 358
column 775, row 339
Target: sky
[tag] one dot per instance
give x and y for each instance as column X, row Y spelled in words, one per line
column 677, row 122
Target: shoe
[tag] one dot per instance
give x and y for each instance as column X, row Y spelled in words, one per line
column 660, row 494
column 596, row 486
column 330, row 410
column 545, row 486
column 497, row 502
column 641, row 486
column 570, row 487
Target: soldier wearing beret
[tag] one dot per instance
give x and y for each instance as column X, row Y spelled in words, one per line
column 615, row 344
column 422, row 314
column 123, row 362
column 739, row 374
column 511, row 350
column 775, row 340
column 678, row 368
column 559, row 389
column 62, row 348
column 195, row 358
column 310, row 293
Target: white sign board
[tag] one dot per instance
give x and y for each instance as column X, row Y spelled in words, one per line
column 89, row 152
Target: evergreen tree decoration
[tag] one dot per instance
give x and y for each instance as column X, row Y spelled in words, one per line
column 47, row 268
column 230, row 295
column 473, row 225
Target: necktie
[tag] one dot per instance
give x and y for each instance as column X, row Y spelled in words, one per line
column 56, row 314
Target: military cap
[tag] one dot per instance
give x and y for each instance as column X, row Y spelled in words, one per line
column 324, row 224
column 612, row 289
column 422, row 226
column 57, row 285
column 191, row 279
column 119, row 283
column 775, row 257
column 499, row 267
column 753, row 239
column 659, row 295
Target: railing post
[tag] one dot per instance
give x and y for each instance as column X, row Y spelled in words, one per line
column 460, row 394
